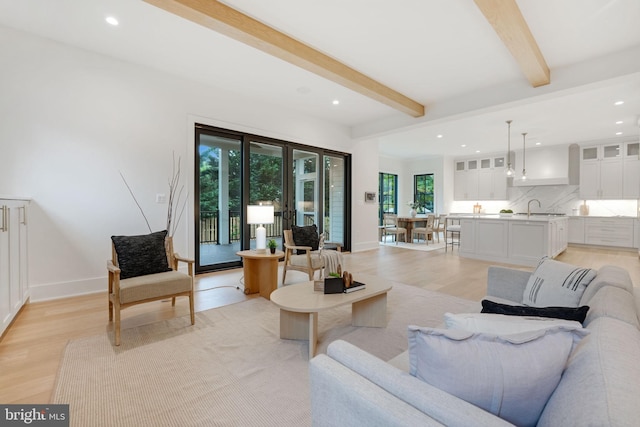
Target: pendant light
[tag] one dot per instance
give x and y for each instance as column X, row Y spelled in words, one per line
column 509, row 171
column 524, row 170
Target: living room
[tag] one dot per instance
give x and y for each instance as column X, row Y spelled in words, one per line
column 76, row 117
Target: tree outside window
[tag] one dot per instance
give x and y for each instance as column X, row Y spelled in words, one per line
column 423, row 193
column 387, row 189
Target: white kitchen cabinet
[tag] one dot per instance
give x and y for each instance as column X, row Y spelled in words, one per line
column 512, row 240
column 631, row 171
column 488, row 236
column 576, row 230
column 492, row 180
column 14, row 282
column 465, row 184
column 467, row 236
column 612, row 231
column 602, row 172
column 480, row 179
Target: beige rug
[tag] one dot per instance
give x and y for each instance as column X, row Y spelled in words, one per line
column 230, row 369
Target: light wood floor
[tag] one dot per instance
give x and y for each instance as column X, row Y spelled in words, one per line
column 31, row 349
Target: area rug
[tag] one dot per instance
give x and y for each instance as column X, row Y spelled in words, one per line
column 230, row 369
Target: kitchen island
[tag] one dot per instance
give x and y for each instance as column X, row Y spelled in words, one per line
column 516, row 239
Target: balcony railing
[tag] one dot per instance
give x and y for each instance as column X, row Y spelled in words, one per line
column 210, row 226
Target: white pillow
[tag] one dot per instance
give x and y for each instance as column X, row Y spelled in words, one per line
column 556, row 284
column 511, row 376
column 501, row 324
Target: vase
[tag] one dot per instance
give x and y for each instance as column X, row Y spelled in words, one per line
column 412, row 212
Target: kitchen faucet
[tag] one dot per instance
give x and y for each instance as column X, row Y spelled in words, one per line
column 529, row 206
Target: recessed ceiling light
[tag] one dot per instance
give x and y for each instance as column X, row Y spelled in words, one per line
column 336, row 102
column 619, row 122
column 463, row 145
column 439, row 135
column 111, row 20
column 618, row 133
column 618, row 103
column 477, row 151
column 538, row 143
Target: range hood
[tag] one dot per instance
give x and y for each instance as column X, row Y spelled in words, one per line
column 554, row 165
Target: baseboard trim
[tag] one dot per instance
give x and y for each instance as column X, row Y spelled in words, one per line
column 53, row 291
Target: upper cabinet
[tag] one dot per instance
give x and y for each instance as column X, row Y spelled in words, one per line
column 610, row 171
column 480, row 179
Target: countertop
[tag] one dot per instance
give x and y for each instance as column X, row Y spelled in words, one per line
column 539, row 218
column 8, row 197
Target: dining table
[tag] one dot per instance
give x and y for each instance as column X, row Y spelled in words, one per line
column 409, row 222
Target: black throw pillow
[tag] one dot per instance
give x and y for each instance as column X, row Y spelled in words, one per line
column 141, row 255
column 567, row 313
column 306, row 236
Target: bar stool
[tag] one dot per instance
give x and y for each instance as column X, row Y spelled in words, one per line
column 452, row 229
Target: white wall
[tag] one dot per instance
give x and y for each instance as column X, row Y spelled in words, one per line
column 72, row 120
column 441, row 168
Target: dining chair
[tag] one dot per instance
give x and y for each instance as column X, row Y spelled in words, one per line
column 440, row 225
column 390, row 226
column 427, row 230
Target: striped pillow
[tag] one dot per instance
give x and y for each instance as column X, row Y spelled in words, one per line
column 554, row 283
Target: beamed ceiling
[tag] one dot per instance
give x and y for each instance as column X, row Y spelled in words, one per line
column 421, row 77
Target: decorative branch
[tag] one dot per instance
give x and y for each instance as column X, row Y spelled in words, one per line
column 136, row 200
column 176, row 205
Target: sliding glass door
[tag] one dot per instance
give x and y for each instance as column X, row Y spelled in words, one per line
column 305, row 188
column 305, row 185
column 266, row 187
column 218, row 199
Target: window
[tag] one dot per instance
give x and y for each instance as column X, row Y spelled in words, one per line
column 423, row 192
column 387, row 188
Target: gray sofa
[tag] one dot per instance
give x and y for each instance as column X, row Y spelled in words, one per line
column 600, row 385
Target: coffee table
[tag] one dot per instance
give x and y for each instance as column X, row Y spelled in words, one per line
column 300, row 304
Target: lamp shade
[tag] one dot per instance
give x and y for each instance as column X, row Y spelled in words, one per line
column 260, row 214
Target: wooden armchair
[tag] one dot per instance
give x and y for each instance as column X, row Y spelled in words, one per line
column 144, row 269
column 308, row 262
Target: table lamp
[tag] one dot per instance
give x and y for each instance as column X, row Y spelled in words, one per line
column 260, row 214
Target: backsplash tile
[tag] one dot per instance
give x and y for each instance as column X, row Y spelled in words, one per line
column 553, row 198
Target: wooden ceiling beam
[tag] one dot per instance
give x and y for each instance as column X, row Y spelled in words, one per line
column 232, row 23
column 507, row 21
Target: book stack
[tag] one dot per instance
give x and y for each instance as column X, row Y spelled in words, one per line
column 355, row 286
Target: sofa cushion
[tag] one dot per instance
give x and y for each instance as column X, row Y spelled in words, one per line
column 500, row 324
column 601, row 384
column 608, row 275
column 568, row 313
column 611, row 301
column 141, row 255
column 511, row 376
column 555, row 283
column 306, row 236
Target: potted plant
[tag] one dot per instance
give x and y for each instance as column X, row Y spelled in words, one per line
column 506, row 212
column 272, row 245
